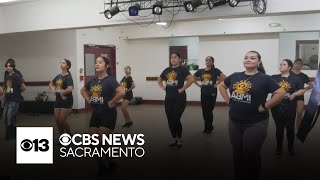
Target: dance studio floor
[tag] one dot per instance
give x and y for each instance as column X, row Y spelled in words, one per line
column 202, row 156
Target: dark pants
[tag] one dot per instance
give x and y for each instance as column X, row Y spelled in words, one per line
column 208, row 103
column 247, row 141
column 174, row 109
column 284, row 119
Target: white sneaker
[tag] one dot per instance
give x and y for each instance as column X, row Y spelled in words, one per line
column 179, row 143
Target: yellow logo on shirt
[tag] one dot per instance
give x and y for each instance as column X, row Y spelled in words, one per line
column 242, row 87
column 172, row 76
column 9, row 88
column 124, row 84
column 59, row 84
column 206, row 79
column 241, row 90
column 285, row 85
column 96, row 94
column 96, row 90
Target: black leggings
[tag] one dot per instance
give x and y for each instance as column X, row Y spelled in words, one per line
column 247, row 141
column 208, row 103
column 174, row 109
column 284, row 119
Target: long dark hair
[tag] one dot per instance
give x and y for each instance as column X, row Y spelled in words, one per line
column 106, row 60
column 11, row 62
column 68, row 62
column 260, row 66
column 210, row 57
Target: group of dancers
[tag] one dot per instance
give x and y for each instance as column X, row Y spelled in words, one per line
column 247, row 99
column 248, row 102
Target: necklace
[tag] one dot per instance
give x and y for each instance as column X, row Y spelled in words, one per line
column 101, row 78
column 249, row 75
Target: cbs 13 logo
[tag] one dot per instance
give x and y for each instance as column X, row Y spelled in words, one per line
column 38, row 145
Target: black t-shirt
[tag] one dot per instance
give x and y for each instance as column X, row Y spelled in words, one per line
column 126, row 82
column 174, row 78
column 101, row 92
column 248, row 92
column 61, row 83
column 6, row 74
column 208, row 80
column 304, row 78
column 12, row 88
column 290, row 84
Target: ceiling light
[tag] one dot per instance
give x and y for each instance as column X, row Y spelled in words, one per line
column 111, row 12
column 192, row 5
column 157, row 8
column 134, row 10
column 161, row 23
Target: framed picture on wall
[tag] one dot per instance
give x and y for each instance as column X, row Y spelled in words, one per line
column 308, row 51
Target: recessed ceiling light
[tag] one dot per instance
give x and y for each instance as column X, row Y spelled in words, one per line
column 161, row 23
column 274, row 25
column 220, row 19
column 5, row 1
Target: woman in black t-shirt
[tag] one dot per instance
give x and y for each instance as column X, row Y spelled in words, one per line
column 62, row 86
column 210, row 77
column 296, row 69
column 248, row 114
column 175, row 100
column 23, row 86
column 128, row 85
column 12, row 99
column 284, row 114
column 102, row 93
column 6, row 76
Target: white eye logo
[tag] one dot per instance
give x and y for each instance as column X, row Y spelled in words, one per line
column 26, row 145
column 65, row 139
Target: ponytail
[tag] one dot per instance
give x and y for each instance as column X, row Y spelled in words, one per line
column 107, row 62
column 68, row 62
column 109, row 72
column 261, row 68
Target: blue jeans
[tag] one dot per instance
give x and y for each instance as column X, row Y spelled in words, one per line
column 9, row 113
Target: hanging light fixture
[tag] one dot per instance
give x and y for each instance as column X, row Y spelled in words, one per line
column 134, row 10
column 111, row 12
column 157, row 8
column 192, row 5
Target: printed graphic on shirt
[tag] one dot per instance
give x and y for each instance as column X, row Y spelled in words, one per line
column 240, row 93
column 58, row 85
column 124, row 84
column 286, row 86
column 95, row 92
column 9, row 88
column 206, row 80
column 172, row 79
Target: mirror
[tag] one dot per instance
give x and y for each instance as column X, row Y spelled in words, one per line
column 303, row 45
column 188, row 48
